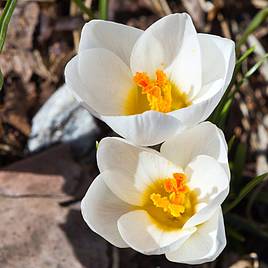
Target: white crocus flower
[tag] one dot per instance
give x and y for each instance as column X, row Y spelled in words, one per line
column 162, row 203
column 149, row 85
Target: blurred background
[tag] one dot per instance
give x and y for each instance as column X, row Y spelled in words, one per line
column 48, row 142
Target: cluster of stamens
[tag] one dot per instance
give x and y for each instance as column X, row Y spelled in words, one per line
column 158, row 91
column 177, row 195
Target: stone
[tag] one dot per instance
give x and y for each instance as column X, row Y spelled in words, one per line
column 38, row 232
column 62, row 119
column 50, row 173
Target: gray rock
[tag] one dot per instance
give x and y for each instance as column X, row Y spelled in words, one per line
column 38, row 232
column 62, row 119
column 52, row 173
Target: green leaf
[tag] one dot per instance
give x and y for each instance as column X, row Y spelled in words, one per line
column 246, row 225
column 231, row 143
column 224, row 113
column 246, row 54
column 239, row 160
column 5, row 19
column 220, row 114
column 235, row 234
column 256, row 66
column 255, row 23
column 247, row 189
column 248, row 74
column 84, row 8
column 103, row 9
column 1, row 80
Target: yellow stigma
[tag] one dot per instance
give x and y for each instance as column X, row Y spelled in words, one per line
column 158, row 94
column 170, row 202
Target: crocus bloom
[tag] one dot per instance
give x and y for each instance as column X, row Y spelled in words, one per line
column 162, row 203
column 149, row 85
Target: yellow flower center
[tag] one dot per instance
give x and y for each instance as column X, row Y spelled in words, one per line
column 158, row 94
column 170, row 202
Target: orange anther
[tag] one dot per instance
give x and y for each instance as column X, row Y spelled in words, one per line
column 158, row 91
column 141, row 79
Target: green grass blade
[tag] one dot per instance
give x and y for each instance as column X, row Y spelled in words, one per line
column 248, row 74
column 256, row 66
column 5, row 19
column 255, row 23
column 220, row 113
column 224, row 113
column 239, row 161
column 247, row 189
column 1, row 80
column 84, row 8
column 4, row 12
column 103, row 9
column 245, row 225
column 246, row 54
column 234, row 234
column 231, row 143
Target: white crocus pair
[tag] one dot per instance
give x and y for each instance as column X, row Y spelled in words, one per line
column 150, row 87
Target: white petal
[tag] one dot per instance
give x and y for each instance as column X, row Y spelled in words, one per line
column 146, row 129
column 209, row 96
column 101, row 209
column 217, row 54
column 227, row 47
column 213, row 62
column 75, row 85
column 123, row 186
column 209, row 179
column 186, row 69
column 139, row 167
column 113, row 151
column 204, row 138
column 200, row 110
column 139, row 232
column 152, row 167
column 107, row 81
column 115, row 37
column 159, row 44
column 204, row 245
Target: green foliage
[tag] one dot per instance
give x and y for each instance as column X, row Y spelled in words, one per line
column 250, row 193
column 255, row 23
column 1, row 80
column 4, row 21
column 237, row 222
column 235, row 234
column 245, row 190
column 84, row 9
column 231, row 143
column 220, row 114
column 239, row 161
column 103, row 9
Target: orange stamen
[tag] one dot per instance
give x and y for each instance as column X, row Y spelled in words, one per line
column 158, row 91
column 175, row 202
